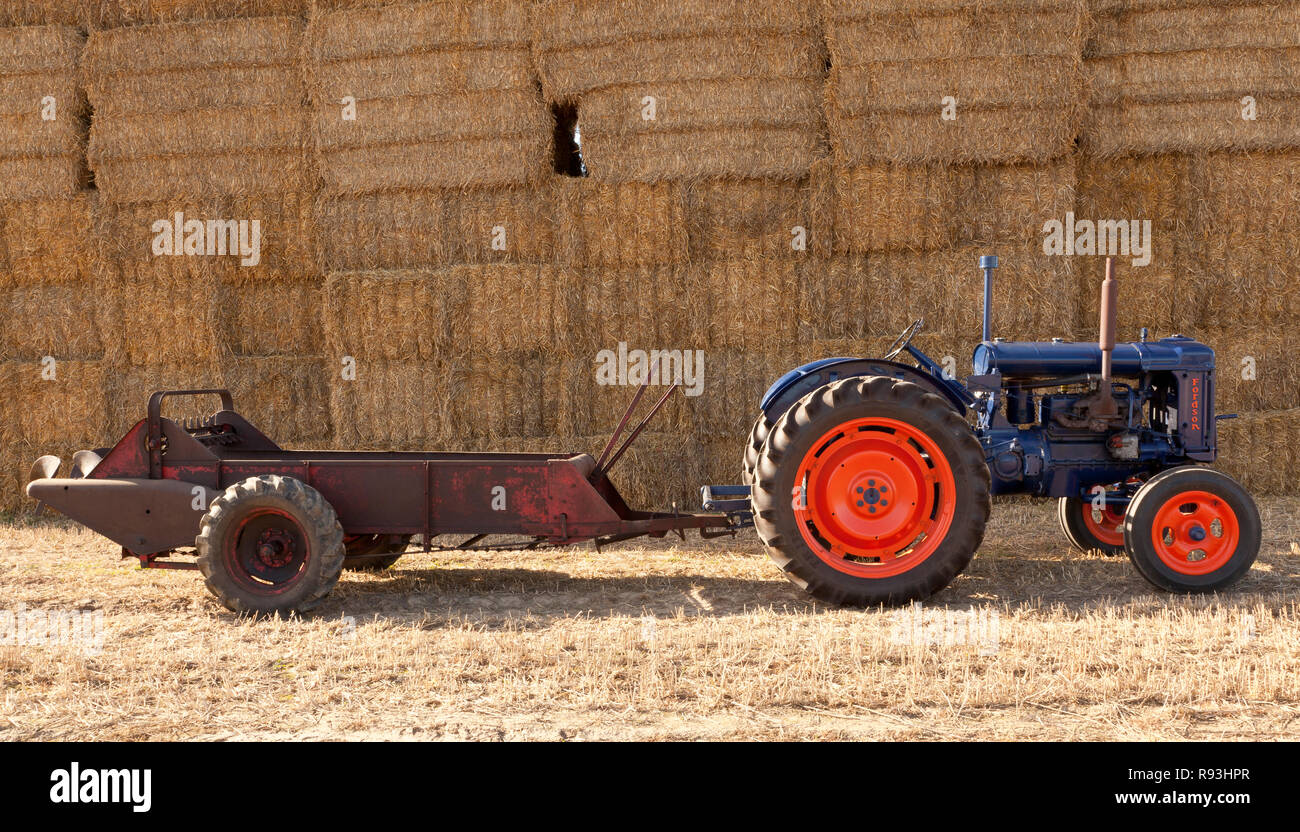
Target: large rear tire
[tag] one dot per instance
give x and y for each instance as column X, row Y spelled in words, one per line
column 753, row 446
column 270, row 544
column 1192, row 529
column 870, row 490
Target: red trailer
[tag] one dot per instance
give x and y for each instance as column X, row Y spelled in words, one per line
column 272, row 528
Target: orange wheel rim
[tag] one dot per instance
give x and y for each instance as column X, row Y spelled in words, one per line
column 1106, row 524
column 1195, row 533
column 874, row 497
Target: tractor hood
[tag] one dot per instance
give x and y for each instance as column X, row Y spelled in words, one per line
column 1040, row 359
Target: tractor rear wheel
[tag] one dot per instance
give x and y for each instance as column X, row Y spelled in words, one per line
column 753, row 445
column 1192, row 529
column 366, row 552
column 871, row 491
column 270, row 544
column 1089, row 528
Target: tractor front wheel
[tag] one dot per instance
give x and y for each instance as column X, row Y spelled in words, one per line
column 1090, row 528
column 270, row 544
column 871, row 491
column 1192, row 529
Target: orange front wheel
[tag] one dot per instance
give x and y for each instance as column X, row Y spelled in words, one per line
column 1092, row 528
column 1192, row 530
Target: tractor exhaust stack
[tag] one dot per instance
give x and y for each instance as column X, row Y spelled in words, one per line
column 1106, row 336
column 988, row 262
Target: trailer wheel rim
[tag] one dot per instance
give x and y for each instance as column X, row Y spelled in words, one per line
column 1109, row 529
column 874, row 497
column 1195, row 532
column 268, row 551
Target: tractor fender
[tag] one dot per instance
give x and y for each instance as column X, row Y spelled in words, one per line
column 801, row 381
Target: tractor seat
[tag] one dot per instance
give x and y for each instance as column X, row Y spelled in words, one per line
column 585, row 464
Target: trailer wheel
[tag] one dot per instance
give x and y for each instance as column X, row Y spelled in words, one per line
column 1090, row 529
column 871, row 491
column 1192, row 529
column 753, row 445
column 270, row 544
column 363, row 551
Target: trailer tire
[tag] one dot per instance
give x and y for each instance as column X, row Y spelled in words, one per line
column 849, row 447
column 270, row 545
column 753, row 446
column 1170, row 530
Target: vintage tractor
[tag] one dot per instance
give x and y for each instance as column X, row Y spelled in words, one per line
column 870, row 480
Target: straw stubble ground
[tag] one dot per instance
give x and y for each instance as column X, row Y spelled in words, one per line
column 681, row 641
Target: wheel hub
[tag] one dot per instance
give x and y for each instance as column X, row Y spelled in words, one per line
column 1195, row 532
column 274, row 548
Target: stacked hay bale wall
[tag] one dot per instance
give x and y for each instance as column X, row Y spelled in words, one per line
column 767, row 183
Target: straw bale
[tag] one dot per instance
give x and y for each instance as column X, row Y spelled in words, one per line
column 753, row 218
column 1246, row 192
column 84, row 13
column 509, row 308
column 391, row 316
column 1013, row 69
column 996, row 203
column 702, row 105
column 49, row 241
column 1262, row 450
column 69, row 407
column 747, row 301
column 1255, row 370
column 756, row 152
column 205, row 107
column 496, row 161
column 1185, row 27
column 569, row 71
column 413, row 119
column 891, row 207
column 563, row 24
column 512, row 394
column 286, row 397
column 40, row 158
column 734, row 382
column 170, row 310
column 65, row 320
column 261, row 317
column 420, row 228
column 627, row 224
column 168, row 10
column 647, row 307
column 392, row 405
column 417, row 27
column 130, row 386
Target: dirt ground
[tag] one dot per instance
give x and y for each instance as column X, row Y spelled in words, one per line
column 686, row 641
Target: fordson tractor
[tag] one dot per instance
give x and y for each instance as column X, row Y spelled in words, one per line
column 870, row 480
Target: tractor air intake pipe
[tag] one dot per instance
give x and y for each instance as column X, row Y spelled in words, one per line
column 1106, row 337
column 988, row 262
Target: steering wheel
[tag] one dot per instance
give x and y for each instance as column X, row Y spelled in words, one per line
column 901, row 342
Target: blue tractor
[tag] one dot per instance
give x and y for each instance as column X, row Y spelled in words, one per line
column 870, row 480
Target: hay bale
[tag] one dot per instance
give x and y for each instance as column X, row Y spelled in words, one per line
column 510, row 308
column 391, row 316
column 84, row 13
column 894, row 207
column 444, row 94
column 53, row 401
column 40, row 157
column 742, row 127
column 503, row 395
column 591, row 400
column 754, row 218
column 746, row 303
column 1262, row 450
column 170, row 311
column 391, row 405
column 1255, row 370
column 423, row 228
column 626, row 224
column 49, row 241
column 1173, row 79
column 647, row 307
column 65, row 320
column 286, row 397
column 204, row 108
column 1014, row 71
column 281, row 317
